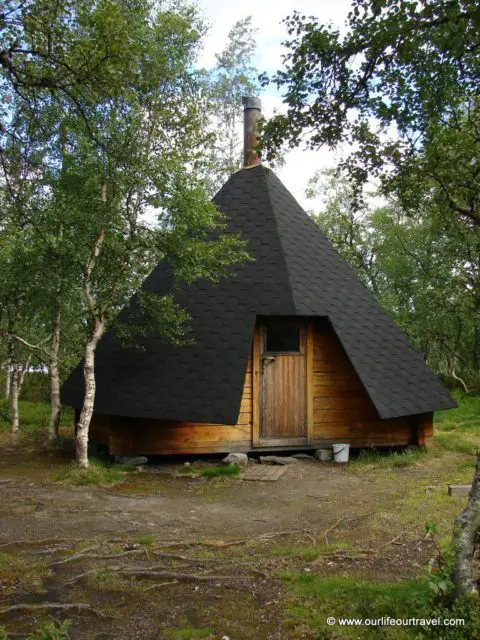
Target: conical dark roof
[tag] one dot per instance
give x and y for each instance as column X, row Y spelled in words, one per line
column 295, row 271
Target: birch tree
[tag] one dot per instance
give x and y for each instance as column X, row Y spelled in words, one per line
column 34, row 268
column 118, row 78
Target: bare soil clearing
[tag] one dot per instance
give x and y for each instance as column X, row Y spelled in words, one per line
column 162, row 555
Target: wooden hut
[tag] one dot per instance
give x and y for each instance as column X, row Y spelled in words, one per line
column 291, row 352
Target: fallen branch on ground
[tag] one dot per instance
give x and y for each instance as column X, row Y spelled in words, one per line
column 365, row 515
column 392, row 541
column 161, row 584
column 83, row 575
column 183, row 577
column 46, row 552
column 221, row 543
column 126, row 569
column 76, row 556
column 179, row 556
column 334, row 526
column 25, row 606
column 99, row 556
column 13, row 543
column 203, row 561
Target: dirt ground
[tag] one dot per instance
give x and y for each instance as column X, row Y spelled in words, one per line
column 163, row 555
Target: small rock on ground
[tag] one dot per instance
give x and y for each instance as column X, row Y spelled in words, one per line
column 240, row 459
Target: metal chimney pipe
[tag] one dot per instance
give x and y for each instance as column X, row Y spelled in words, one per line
column 252, row 110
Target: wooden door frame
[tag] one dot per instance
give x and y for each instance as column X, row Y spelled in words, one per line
column 257, row 440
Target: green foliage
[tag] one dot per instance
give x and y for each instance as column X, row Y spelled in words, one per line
column 401, row 86
column 220, row 471
column 36, row 387
column 52, row 631
column 465, row 608
column 441, row 582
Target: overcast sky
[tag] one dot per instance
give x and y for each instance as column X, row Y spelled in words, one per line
column 267, row 16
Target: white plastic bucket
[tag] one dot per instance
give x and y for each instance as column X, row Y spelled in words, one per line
column 340, row 452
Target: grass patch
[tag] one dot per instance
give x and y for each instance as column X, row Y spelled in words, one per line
column 109, row 581
column 34, row 420
column 313, row 599
column 33, row 415
column 308, row 554
column 465, row 466
column 188, row 633
column 458, row 430
column 456, row 442
column 128, row 468
column 382, row 460
column 220, row 470
column 466, row 415
column 146, row 541
column 97, row 474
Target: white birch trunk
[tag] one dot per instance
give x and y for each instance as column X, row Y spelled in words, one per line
column 53, row 427
column 21, row 374
column 465, row 531
column 8, row 381
column 14, row 398
column 83, row 424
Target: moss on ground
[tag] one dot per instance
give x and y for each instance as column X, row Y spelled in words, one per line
column 20, row 573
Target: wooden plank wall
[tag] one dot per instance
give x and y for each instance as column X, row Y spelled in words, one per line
column 126, row 436
column 342, row 409
column 342, row 412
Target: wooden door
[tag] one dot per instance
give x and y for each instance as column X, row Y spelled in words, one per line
column 283, row 394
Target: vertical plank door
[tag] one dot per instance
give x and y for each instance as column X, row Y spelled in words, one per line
column 283, row 414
